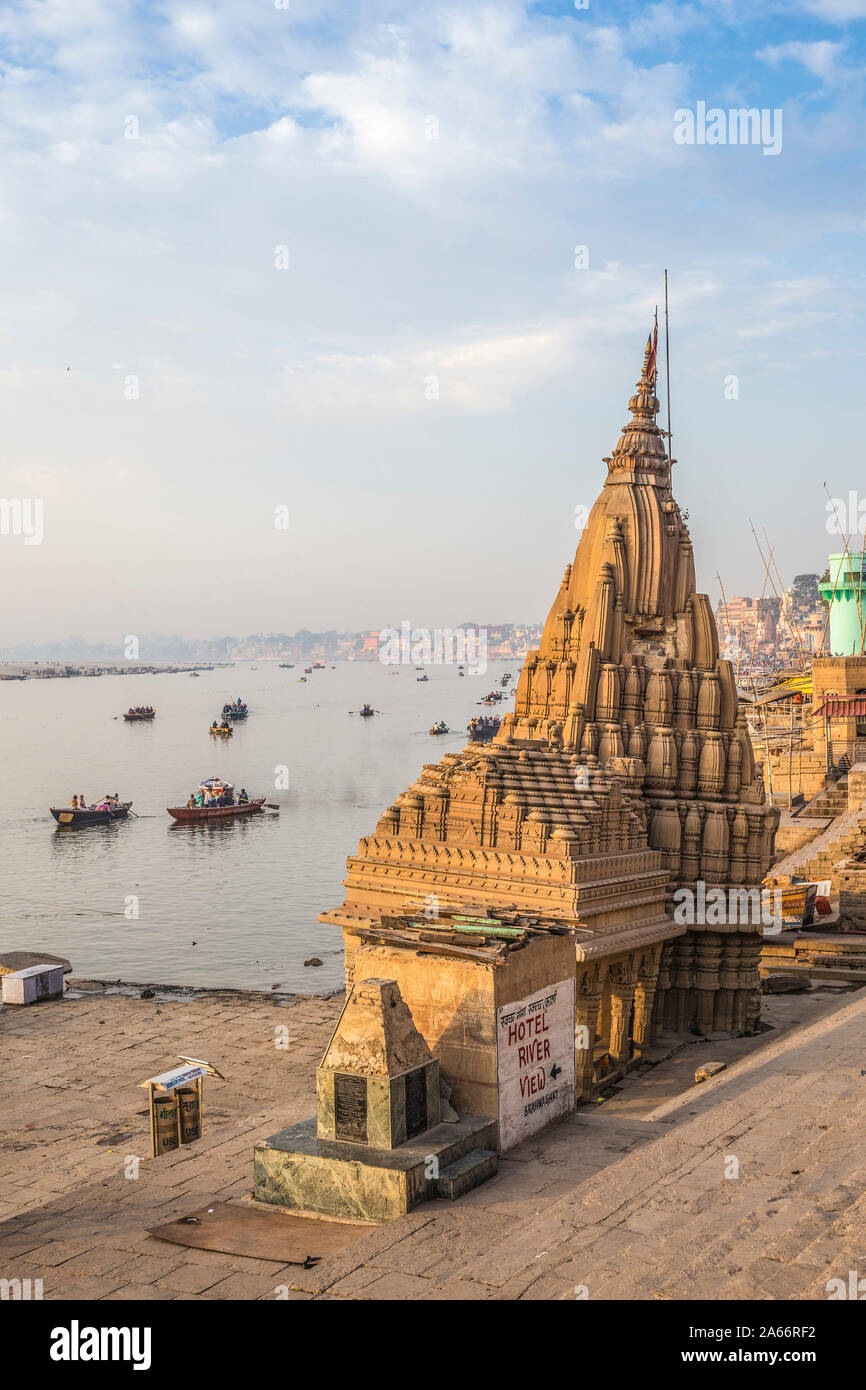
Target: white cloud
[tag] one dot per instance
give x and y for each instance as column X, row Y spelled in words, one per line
column 820, row 57
column 836, row 11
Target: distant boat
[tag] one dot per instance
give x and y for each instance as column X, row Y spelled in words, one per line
column 194, row 675
column 366, row 711
column 72, row 818
column 440, row 728
column 287, row 666
column 135, row 714
column 422, row 678
column 302, row 679
column 221, row 731
column 318, row 666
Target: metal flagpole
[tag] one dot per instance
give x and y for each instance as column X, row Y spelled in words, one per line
column 668, row 374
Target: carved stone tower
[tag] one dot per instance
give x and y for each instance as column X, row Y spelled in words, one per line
column 625, row 772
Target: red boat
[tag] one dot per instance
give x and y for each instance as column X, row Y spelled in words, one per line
column 215, row 812
column 225, row 812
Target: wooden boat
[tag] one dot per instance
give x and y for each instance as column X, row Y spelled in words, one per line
column 206, row 813
column 482, row 730
column 422, row 678
column 72, row 819
column 135, row 716
column 366, row 711
column 440, row 728
column 287, row 666
column 235, row 711
column 221, row 731
column 199, row 813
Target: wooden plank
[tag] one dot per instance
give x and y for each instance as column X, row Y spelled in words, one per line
column 262, row 1235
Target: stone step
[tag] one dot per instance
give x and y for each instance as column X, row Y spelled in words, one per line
column 465, row 1173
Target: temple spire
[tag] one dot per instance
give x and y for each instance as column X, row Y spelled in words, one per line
column 640, row 446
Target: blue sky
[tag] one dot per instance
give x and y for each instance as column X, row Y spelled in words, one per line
column 431, row 384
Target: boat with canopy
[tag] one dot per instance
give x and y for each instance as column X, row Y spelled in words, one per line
column 216, row 800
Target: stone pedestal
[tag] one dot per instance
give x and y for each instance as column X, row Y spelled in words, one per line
column 297, row 1169
column 376, row 1147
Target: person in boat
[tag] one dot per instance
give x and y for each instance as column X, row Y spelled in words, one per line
column 243, row 799
column 190, row 805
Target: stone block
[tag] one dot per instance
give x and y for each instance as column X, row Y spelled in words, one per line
column 710, row 1069
column 786, row 982
column 296, row 1168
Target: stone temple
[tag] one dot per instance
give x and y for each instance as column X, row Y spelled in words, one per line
column 624, row 772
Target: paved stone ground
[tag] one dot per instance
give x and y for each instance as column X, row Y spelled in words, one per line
column 629, row 1198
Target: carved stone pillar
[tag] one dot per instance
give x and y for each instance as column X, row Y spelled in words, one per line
column 748, row 1003
column 708, row 956
column 677, row 1011
column 621, row 1000
column 644, row 998
column 663, row 983
column 725, row 1016
column 586, row 1022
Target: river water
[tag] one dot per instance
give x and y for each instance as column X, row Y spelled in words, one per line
column 231, row 905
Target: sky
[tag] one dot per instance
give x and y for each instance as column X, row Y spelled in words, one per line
column 325, row 315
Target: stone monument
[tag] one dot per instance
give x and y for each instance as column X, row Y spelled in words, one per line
column 378, row 1145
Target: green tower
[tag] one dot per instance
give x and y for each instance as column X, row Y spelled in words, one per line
column 845, row 591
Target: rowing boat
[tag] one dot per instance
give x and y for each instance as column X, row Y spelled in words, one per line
column 74, row 818
column 196, row 813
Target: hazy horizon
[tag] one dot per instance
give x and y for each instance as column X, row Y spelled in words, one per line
column 392, row 268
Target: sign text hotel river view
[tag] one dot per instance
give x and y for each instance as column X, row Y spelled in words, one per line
column 535, row 1061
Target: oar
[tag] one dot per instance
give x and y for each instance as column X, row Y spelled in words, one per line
column 271, row 807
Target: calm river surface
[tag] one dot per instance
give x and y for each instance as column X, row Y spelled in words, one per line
column 233, row 905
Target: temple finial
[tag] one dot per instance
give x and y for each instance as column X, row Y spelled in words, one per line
column 640, row 444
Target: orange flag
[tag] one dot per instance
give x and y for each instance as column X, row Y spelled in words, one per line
column 652, row 343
